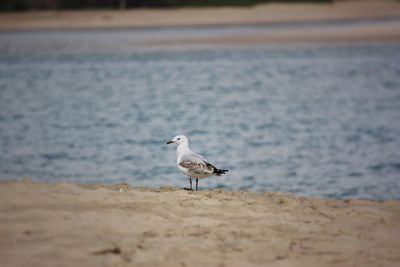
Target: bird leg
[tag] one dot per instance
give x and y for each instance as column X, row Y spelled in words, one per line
column 190, row 189
column 197, row 183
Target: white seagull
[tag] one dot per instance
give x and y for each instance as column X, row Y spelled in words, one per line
column 192, row 164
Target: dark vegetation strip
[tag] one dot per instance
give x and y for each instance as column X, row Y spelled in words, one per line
column 25, row 5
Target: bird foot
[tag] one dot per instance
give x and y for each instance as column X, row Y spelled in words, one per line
column 189, row 189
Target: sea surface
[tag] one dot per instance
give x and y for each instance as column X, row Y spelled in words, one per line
column 98, row 106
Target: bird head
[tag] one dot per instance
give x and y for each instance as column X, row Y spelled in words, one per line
column 179, row 139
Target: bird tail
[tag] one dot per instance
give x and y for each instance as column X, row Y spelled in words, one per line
column 220, row 172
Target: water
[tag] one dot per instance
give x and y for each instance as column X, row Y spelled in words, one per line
column 97, row 106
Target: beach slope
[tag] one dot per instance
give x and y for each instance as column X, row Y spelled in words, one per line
column 96, row 225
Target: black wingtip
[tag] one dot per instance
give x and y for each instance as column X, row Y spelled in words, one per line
column 219, row 172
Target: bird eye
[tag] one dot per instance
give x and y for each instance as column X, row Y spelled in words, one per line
column 179, row 139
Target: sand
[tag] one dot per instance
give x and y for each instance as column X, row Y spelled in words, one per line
column 387, row 11
column 260, row 14
column 266, row 14
column 96, row 225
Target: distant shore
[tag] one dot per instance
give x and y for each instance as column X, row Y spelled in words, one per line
column 97, row 225
column 260, row 14
column 385, row 11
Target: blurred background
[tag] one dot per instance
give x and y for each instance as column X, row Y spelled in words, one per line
column 295, row 97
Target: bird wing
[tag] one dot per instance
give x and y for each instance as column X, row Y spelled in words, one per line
column 196, row 164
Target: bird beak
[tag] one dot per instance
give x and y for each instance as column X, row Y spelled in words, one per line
column 170, row 142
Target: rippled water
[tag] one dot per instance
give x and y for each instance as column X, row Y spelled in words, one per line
column 321, row 120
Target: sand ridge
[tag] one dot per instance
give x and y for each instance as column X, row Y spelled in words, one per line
column 97, row 225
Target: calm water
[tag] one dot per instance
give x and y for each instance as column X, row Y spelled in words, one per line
column 96, row 106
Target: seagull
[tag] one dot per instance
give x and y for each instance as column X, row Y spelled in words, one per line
column 192, row 164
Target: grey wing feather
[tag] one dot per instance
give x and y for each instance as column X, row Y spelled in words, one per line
column 197, row 156
column 196, row 164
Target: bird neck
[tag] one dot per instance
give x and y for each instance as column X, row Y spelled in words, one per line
column 182, row 148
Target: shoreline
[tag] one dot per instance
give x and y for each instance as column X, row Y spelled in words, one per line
column 62, row 224
column 342, row 22
column 289, row 23
column 389, row 32
column 265, row 14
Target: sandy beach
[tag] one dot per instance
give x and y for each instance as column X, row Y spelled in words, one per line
column 97, row 225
